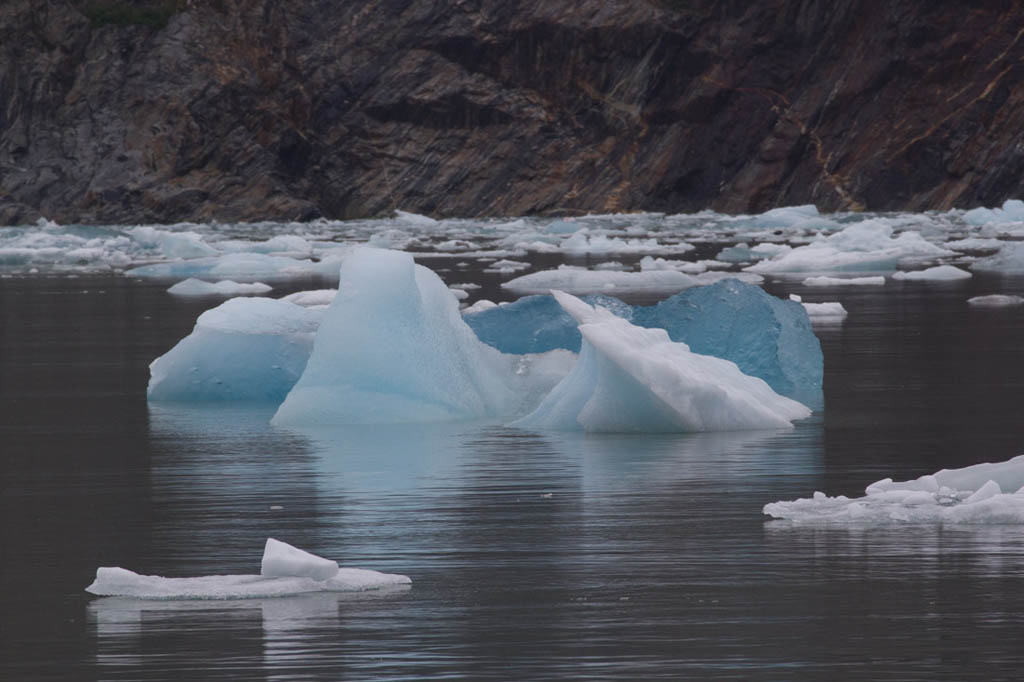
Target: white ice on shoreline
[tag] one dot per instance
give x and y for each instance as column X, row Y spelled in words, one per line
column 292, row 571
column 983, row 493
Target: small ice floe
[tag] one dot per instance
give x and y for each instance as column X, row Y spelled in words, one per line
column 833, row 309
column 1009, row 261
column 312, row 297
column 284, row 571
column 823, row 281
column 226, row 287
column 983, row 493
column 995, row 301
column 940, row 273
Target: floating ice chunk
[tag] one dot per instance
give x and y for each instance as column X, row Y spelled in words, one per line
column 286, row 571
column 173, row 244
column 392, row 347
column 244, row 349
column 245, row 266
column 415, row 219
column 391, row 239
column 505, row 266
column 972, row 494
column 995, row 301
column 742, row 253
column 478, row 307
column 227, row 287
column 578, row 281
column 940, row 273
column 688, row 267
column 534, row 324
column 822, row 281
column 1012, row 211
column 1009, row 261
column 562, row 227
column 584, row 242
column 868, row 245
column 459, row 294
column 313, row 297
column 974, row 244
column 630, row 379
column 281, row 560
column 828, row 309
column 765, row 336
column 282, row 244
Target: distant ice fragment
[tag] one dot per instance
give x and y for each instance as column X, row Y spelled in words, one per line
column 995, row 301
column 392, row 347
column 829, row 309
column 285, row 571
column 983, row 493
column 823, row 281
column 246, row 266
column 251, row 349
column 579, row 282
column 1009, row 260
column 1011, row 211
column 281, row 560
column 940, row 273
column 631, row 379
column 227, row 287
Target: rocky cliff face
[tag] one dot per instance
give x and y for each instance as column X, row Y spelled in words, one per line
column 257, row 109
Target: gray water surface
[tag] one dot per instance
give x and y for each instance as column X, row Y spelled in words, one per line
column 533, row 556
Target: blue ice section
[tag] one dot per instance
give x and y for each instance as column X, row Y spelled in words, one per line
column 536, row 324
column 765, row 336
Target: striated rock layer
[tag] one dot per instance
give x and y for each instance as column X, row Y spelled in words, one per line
column 254, row 109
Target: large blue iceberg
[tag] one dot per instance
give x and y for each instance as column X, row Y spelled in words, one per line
column 392, row 348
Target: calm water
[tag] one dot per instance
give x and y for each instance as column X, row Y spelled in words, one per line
column 532, row 556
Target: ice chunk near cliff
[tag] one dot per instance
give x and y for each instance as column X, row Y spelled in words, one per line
column 392, row 347
column 940, row 273
column 285, row 571
column 1009, row 261
column 579, row 281
column 535, row 324
column 765, row 336
column 824, row 281
column 246, row 349
column 865, row 246
column 227, row 287
column 239, row 266
column 169, row 244
column 983, row 493
column 995, row 301
column 585, row 242
column 415, row 219
column 631, row 379
column 290, row 245
column 1011, row 211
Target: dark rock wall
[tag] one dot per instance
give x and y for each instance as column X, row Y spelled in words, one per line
column 257, row 109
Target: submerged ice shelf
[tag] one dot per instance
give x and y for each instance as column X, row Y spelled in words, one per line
column 284, row 571
column 983, row 493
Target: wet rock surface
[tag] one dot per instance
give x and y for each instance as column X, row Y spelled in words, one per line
column 244, row 110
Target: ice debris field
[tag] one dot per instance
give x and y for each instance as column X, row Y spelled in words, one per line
column 284, row 571
column 983, row 493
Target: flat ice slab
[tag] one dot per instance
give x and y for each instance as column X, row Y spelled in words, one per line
column 983, row 493
column 226, row 287
column 285, row 571
column 995, row 301
column 940, row 273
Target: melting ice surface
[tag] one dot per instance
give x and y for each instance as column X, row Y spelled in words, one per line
column 983, row 493
column 633, row 379
column 284, row 571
